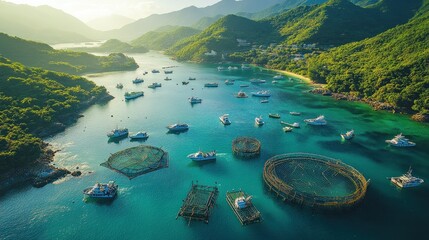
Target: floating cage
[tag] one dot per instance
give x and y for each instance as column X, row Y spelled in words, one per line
column 135, row 161
column 314, row 180
column 246, row 215
column 198, row 203
column 246, row 147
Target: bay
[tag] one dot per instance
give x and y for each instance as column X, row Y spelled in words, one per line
column 146, row 206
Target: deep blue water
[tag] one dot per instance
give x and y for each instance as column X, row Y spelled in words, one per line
column 146, row 206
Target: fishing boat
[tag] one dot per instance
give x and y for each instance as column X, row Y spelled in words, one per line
column 400, row 141
column 229, row 82
column 102, row 190
column 119, row 85
column 262, row 93
column 132, row 95
column 225, row 119
column 193, row 100
column 155, row 71
column 294, row 125
column 154, row 85
column 118, row 133
column 178, row 127
column 139, row 136
column 241, row 94
column 168, row 71
column 287, row 129
column 319, row 121
column 295, row 113
column 348, row 135
column 203, row 156
column 167, row 79
column 259, row 121
column 211, row 84
column 406, row 180
column 273, row 115
column 257, row 81
column 192, row 78
column 138, row 80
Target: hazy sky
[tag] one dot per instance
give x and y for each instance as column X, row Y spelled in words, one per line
column 90, row 9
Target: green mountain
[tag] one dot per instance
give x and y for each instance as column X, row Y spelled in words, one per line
column 391, row 67
column 34, row 102
column 221, row 37
column 339, row 21
column 44, row 24
column 205, row 22
column 34, row 54
column 113, row 46
column 164, row 38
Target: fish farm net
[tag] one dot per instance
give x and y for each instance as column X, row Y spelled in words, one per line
column 246, row 147
column 135, row 161
column 314, row 180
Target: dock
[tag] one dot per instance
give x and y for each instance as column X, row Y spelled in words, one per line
column 247, row 215
column 199, row 203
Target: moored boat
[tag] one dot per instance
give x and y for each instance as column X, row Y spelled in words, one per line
column 154, row 85
column 132, row 95
column 259, row 121
column 295, row 113
column 348, row 135
column 211, row 84
column 203, row 156
column 241, row 94
column 139, row 136
column 262, row 93
column 273, row 115
column 168, row 71
column 244, row 67
column 400, row 141
column 319, row 121
column 155, row 71
column 229, row 82
column 406, row 180
column 264, row 101
column 102, row 190
column 287, row 129
column 119, row 85
column 278, row 77
column 167, row 79
column 138, row 80
column 195, row 100
column 257, row 81
column 294, row 125
column 192, row 78
column 178, row 127
column 244, row 85
column 225, row 119
column 118, row 133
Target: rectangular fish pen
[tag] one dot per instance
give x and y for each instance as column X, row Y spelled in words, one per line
column 245, row 212
column 198, row 203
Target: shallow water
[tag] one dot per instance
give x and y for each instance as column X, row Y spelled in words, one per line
column 146, row 206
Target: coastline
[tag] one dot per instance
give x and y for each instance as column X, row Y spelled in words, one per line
column 301, row 77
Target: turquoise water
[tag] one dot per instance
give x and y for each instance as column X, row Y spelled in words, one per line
column 147, row 206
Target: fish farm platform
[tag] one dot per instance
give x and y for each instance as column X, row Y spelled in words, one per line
column 247, row 215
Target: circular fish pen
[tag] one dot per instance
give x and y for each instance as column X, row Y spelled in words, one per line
column 314, row 180
column 246, row 147
column 135, row 161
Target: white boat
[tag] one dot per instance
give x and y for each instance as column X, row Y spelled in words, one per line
column 220, row 68
column 262, row 93
column 257, row 81
column 155, row 71
column 294, row 125
column 154, row 85
column 102, row 190
column 202, row 156
column 348, row 135
column 274, row 82
column 138, row 80
column 278, row 77
column 244, row 85
column 259, row 121
column 119, row 85
column 118, row 133
column 273, row 115
column 264, row 101
column 242, row 202
column 287, row 129
column 400, row 141
column 241, row 94
column 132, row 95
column 178, row 127
column 195, row 100
column 139, row 135
column 225, row 119
column 407, row 180
column 295, row 113
column 211, row 85
column 319, row 121
column 229, row 82
column 244, row 67
column 230, row 68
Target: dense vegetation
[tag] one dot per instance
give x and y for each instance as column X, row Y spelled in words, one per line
column 33, row 100
column 41, row 55
column 114, row 46
column 164, row 38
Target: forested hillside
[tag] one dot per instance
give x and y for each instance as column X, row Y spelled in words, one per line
column 164, row 38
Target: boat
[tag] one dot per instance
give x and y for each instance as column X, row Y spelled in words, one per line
column 225, row 119
column 203, row 156
column 244, row 85
column 273, row 115
column 167, row 79
column 262, row 93
column 264, row 101
column 230, row 68
column 241, row 94
column 211, row 85
column 132, row 95
column 400, row 141
column 295, row 113
column 229, row 82
column 348, row 135
column 319, row 121
column 185, row 83
column 102, row 190
column 192, row 78
column 195, row 100
column 274, row 82
column 259, row 121
column 118, row 133
column 138, row 80
column 139, row 135
column 154, row 85
column 244, row 67
column 287, row 129
column 278, row 77
column 178, row 127
column 119, row 85
column 294, row 125
column 242, row 202
column 256, row 81
column 168, row 71
column 220, row 68
column 406, row 180
column 155, row 71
